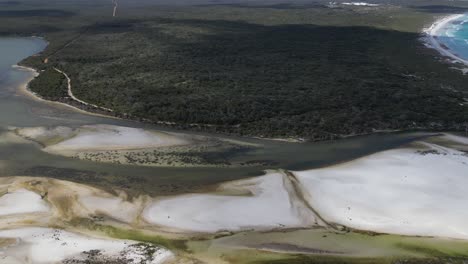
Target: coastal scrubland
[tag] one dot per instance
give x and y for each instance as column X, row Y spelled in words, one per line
column 297, row 70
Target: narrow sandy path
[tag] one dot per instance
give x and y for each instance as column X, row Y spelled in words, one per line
column 114, row 13
column 70, row 93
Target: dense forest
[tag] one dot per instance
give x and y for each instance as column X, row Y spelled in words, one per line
column 271, row 79
column 50, row 85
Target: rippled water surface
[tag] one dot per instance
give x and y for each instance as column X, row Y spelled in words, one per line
column 454, row 35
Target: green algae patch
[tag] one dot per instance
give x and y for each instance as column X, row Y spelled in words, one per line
column 253, row 256
column 263, row 257
column 130, row 234
column 325, row 260
column 329, row 246
column 140, row 236
column 435, row 248
column 420, row 249
column 350, row 260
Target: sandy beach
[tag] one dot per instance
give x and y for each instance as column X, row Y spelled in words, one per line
column 433, row 32
column 24, row 90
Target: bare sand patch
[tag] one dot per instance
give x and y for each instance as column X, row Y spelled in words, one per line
column 456, row 139
column 98, row 137
column 264, row 203
column 46, row 245
column 418, row 192
column 22, row 201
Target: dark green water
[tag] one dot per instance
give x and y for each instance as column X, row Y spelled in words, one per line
column 27, row 159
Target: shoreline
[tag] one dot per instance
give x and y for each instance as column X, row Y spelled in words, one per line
column 83, row 107
column 434, row 43
column 23, row 89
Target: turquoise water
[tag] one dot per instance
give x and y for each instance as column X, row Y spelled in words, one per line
column 455, row 36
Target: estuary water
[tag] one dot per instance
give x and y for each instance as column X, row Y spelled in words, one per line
column 19, row 159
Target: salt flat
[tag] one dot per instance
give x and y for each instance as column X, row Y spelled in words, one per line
column 402, row 191
column 22, row 201
column 46, row 245
column 266, row 204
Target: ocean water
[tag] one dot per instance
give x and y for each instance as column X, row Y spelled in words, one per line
column 454, row 35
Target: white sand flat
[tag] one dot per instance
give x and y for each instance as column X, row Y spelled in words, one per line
column 456, row 139
column 98, row 137
column 269, row 206
column 399, row 191
column 22, row 201
column 45, row 245
column 112, row 137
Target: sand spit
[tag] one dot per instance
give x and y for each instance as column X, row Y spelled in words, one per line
column 433, row 32
column 46, row 245
column 24, row 90
column 98, row 137
column 261, row 203
column 134, row 146
column 417, row 192
column 105, row 143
